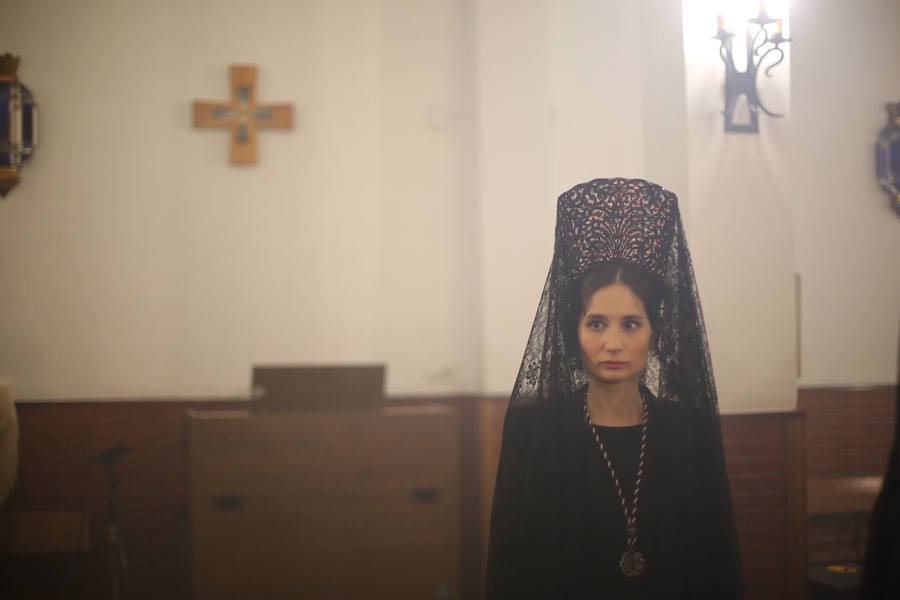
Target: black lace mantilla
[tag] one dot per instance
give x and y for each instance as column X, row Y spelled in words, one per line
column 638, row 222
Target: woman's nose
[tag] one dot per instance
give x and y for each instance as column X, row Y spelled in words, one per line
column 612, row 343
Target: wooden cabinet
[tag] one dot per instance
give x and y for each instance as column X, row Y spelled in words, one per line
column 312, row 505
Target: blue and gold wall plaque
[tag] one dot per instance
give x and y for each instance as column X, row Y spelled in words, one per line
column 18, row 124
column 887, row 149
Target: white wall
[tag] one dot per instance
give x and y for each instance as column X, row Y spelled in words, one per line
column 138, row 262
column 800, row 198
column 740, row 227
column 409, row 216
column 818, row 164
column 847, row 237
column 516, row 210
column 427, row 322
column 559, row 88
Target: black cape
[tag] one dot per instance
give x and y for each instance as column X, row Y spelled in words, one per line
column 881, row 576
column 554, row 532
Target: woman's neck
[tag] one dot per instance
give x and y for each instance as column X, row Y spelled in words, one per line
column 615, row 404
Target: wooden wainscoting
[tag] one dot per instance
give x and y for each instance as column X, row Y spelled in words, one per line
column 850, row 432
column 57, row 472
column 766, row 468
column 849, row 429
column 765, row 452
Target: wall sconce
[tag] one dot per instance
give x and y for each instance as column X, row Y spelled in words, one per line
column 887, row 153
column 18, row 124
column 760, row 43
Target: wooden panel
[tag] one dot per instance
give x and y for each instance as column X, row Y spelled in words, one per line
column 491, row 415
column 849, row 430
column 288, row 504
column 798, row 557
column 837, row 538
column 471, row 494
column 44, row 532
column 765, row 456
column 57, row 472
column 837, row 495
column 850, row 434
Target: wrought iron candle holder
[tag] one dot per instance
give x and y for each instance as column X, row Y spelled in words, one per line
column 760, row 45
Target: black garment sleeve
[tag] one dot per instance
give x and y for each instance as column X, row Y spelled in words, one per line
column 524, row 544
column 506, row 551
column 881, row 575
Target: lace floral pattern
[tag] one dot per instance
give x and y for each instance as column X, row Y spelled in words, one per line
column 638, row 222
column 615, row 219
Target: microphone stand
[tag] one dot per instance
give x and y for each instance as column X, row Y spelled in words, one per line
column 108, row 458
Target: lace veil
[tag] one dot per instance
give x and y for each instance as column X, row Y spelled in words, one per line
column 638, row 222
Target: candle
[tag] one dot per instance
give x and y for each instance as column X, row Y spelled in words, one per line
column 721, row 25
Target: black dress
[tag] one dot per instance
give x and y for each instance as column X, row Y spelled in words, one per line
column 881, row 576
column 564, row 536
column 605, row 530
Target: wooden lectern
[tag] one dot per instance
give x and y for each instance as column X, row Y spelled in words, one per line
column 325, row 505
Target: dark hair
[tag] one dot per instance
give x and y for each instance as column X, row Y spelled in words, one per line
column 598, row 276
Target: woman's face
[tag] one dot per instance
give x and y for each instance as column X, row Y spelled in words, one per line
column 614, row 333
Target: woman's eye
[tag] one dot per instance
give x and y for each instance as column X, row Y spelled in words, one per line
column 595, row 325
column 632, row 325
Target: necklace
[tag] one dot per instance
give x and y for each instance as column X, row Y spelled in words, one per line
column 632, row 562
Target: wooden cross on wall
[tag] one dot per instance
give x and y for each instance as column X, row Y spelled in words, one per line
column 242, row 115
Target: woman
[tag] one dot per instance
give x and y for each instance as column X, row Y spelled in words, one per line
column 881, row 575
column 612, row 479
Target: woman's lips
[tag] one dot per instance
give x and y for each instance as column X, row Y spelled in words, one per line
column 612, row 364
